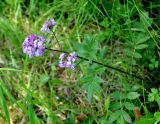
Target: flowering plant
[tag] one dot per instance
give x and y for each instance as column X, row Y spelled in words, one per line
column 34, row 45
column 47, row 26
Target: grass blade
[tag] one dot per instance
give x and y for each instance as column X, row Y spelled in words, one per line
column 4, row 105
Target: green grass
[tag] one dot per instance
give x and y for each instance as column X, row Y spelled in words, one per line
column 122, row 35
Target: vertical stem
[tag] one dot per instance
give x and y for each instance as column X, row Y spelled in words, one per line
column 57, row 40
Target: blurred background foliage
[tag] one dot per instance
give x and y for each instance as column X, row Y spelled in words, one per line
column 121, row 33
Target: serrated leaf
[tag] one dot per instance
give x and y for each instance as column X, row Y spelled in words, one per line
column 137, row 55
column 120, row 120
column 128, row 51
column 95, row 69
column 138, row 27
column 151, row 97
column 91, row 88
column 115, row 106
column 88, row 48
column 98, row 79
column 145, row 19
column 141, row 46
column 133, row 95
column 91, row 78
column 142, row 38
column 128, row 105
column 134, row 54
column 114, row 116
column 118, row 95
column 126, row 116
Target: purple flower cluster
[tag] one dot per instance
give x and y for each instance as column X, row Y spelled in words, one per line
column 33, row 45
column 67, row 60
column 47, row 26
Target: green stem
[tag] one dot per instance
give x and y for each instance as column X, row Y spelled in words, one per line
column 57, row 40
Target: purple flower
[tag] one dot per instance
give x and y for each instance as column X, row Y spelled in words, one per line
column 62, row 64
column 67, row 60
column 47, row 26
column 62, row 56
column 73, row 56
column 33, row 45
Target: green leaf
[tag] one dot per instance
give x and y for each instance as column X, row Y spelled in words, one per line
column 141, row 46
column 114, row 116
column 126, row 116
column 157, row 98
column 107, row 103
column 135, row 87
column 43, row 79
column 138, row 27
column 120, row 120
column 115, row 106
column 137, row 55
column 141, row 38
column 145, row 19
column 133, row 95
column 88, row 48
column 128, row 105
column 151, row 97
column 156, row 64
column 98, row 79
column 56, row 81
column 91, row 88
column 4, row 105
column 91, row 78
column 154, row 91
column 95, row 69
column 31, row 113
column 105, row 22
column 100, row 36
column 151, row 66
column 157, row 116
column 118, row 95
column 133, row 53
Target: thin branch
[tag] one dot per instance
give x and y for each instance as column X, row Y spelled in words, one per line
column 93, row 61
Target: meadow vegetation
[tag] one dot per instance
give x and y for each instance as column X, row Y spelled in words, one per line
column 124, row 34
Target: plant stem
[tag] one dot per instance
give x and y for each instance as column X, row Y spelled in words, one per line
column 57, row 40
column 93, row 61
